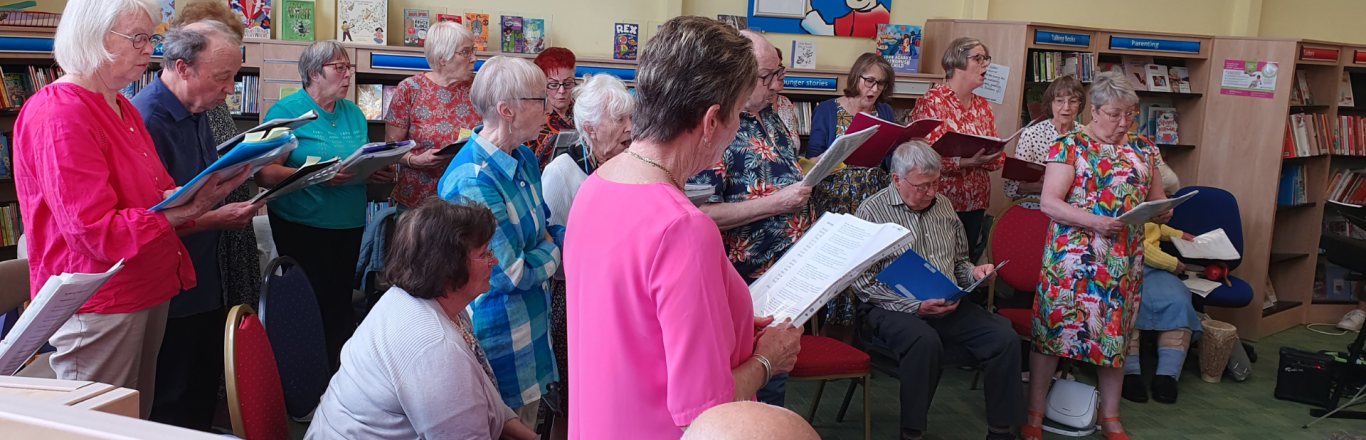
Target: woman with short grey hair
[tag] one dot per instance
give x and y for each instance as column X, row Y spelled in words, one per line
column 1088, row 293
column 496, row 169
column 86, row 173
column 320, row 226
column 432, row 109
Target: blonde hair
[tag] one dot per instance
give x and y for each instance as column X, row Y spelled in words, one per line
column 78, row 44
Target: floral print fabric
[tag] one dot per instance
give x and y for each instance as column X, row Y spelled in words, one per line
column 968, row 188
column 434, row 117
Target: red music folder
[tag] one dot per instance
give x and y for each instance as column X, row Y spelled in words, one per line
column 889, row 135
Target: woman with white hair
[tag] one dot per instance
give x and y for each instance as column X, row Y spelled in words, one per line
column 85, row 172
column 496, row 169
column 1088, row 292
column 432, row 109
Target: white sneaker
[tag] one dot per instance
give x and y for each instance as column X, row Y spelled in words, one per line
column 1353, row 320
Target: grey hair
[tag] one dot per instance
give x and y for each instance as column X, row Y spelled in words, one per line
column 504, row 79
column 315, row 55
column 78, row 46
column 184, row 43
column 915, row 154
column 1112, row 88
column 601, row 96
column 442, row 40
column 956, row 55
column 691, row 64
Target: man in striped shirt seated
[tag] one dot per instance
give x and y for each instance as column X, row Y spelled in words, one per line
column 917, row 331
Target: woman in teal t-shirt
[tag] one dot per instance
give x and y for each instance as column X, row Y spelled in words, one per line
column 320, row 226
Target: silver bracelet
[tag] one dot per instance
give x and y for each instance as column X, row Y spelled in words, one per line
column 768, row 367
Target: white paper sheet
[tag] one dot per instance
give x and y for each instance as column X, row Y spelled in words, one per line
column 838, row 151
column 994, row 87
column 59, row 298
column 1200, row 286
column 1141, row 213
column 1212, row 245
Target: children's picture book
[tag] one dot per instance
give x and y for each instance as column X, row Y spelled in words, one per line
column 533, row 33
column 478, row 24
column 415, row 24
column 17, row 89
column 1135, row 69
column 448, row 17
column 370, row 99
column 1345, row 97
column 1157, row 78
column 362, row 21
column 803, row 54
column 512, row 34
column 297, row 16
column 234, row 101
column 624, row 43
column 739, row 22
column 255, row 14
column 899, row 44
column 167, row 16
column 6, row 164
column 1163, row 120
column 1112, row 67
column 1180, row 79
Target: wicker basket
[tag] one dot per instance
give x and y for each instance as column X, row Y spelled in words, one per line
column 1215, row 347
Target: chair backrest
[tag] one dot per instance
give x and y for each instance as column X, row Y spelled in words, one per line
column 255, row 402
column 1211, row 209
column 14, row 285
column 1019, row 235
column 294, row 324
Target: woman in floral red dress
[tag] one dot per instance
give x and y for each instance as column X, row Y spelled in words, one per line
column 964, row 180
column 1093, row 262
column 434, row 110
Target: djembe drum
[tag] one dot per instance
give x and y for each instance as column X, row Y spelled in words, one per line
column 1215, row 347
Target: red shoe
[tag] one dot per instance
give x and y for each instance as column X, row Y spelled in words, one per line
column 1112, row 435
column 1032, row 432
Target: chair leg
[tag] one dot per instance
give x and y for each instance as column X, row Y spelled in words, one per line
column 815, row 402
column 867, row 410
column 976, row 374
column 848, row 395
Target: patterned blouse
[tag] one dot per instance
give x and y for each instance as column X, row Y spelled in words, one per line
column 1033, row 147
column 968, row 188
column 788, row 112
column 553, row 124
column 434, row 117
column 761, row 161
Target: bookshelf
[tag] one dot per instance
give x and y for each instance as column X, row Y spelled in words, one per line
column 26, row 47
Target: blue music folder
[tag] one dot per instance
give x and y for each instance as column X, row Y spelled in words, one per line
column 913, row 277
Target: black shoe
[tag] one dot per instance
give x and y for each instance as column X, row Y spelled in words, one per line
column 1134, row 389
column 1164, row 388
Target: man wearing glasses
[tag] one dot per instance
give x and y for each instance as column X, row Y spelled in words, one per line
column 919, row 332
column 759, row 202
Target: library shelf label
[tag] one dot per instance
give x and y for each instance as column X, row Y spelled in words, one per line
column 825, row 84
column 1153, row 44
column 1256, row 79
column 1061, row 38
column 1359, row 57
column 1318, row 54
column 25, row 44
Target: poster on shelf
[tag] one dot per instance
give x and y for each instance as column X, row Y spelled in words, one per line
column 994, row 88
column 1256, row 79
column 840, row 18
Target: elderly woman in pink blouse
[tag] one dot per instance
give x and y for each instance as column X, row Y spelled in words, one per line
column 666, row 329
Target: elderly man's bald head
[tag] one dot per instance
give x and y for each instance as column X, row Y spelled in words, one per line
column 749, row 421
column 767, row 56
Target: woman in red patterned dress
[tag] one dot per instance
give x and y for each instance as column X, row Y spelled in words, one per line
column 432, row 109
column 965, row 180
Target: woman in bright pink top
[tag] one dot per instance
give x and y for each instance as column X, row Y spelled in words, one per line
column 661, row 327
column 86, row 172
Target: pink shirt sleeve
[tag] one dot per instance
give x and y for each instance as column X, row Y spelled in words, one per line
column 695, row 317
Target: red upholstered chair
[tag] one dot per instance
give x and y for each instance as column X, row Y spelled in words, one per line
column 825, row 359
column 256, row 401
column 1019, row 235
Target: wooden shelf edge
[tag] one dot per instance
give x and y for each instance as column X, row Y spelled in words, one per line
column 1278, row 257
column 1325, row 302
column 1290, row 207
column 1281, row 306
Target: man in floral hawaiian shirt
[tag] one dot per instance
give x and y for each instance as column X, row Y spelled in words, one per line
column 760, row 203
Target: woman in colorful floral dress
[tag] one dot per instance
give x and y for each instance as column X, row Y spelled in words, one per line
column 1093, row 262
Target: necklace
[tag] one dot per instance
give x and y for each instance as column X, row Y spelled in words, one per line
column 657, row 165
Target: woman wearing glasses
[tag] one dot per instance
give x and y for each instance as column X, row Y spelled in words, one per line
column 867, row 91
column 558, row 65
column 497, row 170
column 432, row 109
column 965, row 180
column 1088, row 293
column 85, row 173
column 320, row 226
column 1062, row 103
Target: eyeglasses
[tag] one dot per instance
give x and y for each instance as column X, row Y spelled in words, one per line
column 925, row 187
column 776, row 74
column 535, row 99
column 140, row 40
column 341, row 67
column 487, row 257
column 567, row 85
column 980, row 58
column 873, row 82
column 465, row 52
column 1116, row 116
column 1067, row 101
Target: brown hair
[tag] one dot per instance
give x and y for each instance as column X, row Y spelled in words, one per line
column 1068, row 85
column 210, row 10
column 691, row 64
column 865, row 61
column 429, row 252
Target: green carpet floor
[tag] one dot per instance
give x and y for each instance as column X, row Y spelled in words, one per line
column 1216, row 411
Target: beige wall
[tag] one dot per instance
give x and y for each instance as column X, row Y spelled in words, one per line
column 1329, row 20
column 1208, row 17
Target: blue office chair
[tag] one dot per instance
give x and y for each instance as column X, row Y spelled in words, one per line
column 1211, row 209
column 289, row 312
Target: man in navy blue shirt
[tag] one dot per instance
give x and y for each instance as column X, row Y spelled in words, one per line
column 199, row 64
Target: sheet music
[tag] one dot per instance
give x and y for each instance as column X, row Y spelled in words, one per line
column 1200, row 286
column 1141, row 213
column 1212, row 245
column 365, row 164
column 838, row 151
column 59, row 298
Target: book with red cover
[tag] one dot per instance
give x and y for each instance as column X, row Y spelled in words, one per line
column 890, row 134
column 1022, row 170
column 954, row 144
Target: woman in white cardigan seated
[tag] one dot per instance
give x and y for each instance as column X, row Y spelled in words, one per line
column 413, row 369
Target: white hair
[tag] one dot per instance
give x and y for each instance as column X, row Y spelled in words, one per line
column 504, row 79
column 442, row 40
column 1112, row 88
column 915, row 155
column 78, row 45
column 601, row 96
